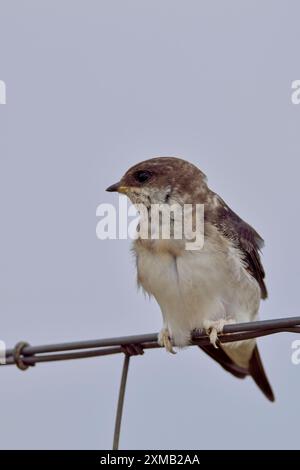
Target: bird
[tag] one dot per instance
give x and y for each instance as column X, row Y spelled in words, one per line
column 220, row 282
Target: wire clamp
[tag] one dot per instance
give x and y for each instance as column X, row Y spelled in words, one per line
column 132, row 349
column 17, row 355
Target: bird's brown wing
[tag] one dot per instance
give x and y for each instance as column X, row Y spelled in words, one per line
column 244, row 237
column 249, row 242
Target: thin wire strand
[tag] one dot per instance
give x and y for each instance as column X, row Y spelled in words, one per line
column 119, row 413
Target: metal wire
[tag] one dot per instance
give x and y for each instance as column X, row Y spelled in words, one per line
column 31, row 355
column 121, row 402
column 24, row 355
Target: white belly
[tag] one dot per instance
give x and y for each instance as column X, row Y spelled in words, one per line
column 197, row 285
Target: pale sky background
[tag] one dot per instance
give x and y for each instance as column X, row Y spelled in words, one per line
column 94, row 86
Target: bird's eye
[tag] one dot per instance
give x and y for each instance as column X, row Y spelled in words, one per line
column 142, row 176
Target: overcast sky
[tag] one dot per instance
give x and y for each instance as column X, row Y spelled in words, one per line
column 93, row 87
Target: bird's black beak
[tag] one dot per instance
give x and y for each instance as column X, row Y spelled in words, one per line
column 113, row 188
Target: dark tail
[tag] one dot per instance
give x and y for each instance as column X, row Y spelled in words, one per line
column 257, row 372
column 255, row 369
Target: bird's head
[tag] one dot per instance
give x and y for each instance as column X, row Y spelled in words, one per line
column 162, row 180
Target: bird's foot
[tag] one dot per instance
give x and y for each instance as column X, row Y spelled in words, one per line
column 213, row 328
column 164, row 339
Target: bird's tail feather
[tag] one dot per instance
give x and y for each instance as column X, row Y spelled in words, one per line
column 255, row 369
column 257, row 372
column 224, row 360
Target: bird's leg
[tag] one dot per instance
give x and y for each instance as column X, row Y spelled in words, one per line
column 164, row 339
column 213, row 328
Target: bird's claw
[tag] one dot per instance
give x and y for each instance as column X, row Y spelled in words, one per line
column 213, row 328
column 164, row 340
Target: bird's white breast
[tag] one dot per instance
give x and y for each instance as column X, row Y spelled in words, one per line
column 193, row 286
